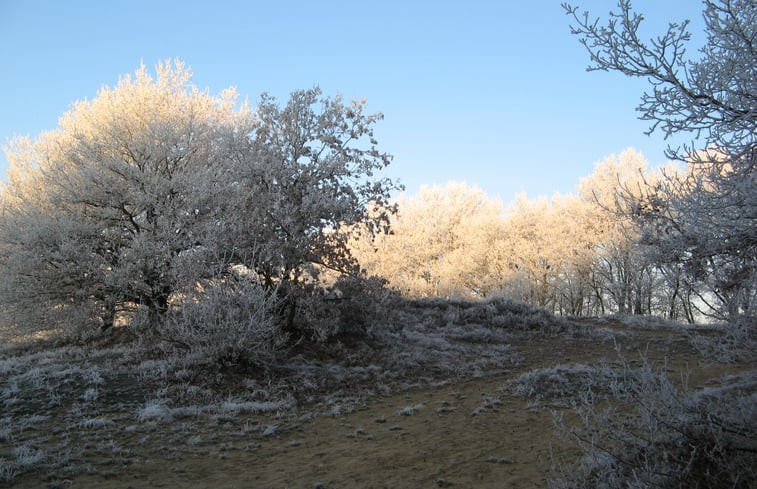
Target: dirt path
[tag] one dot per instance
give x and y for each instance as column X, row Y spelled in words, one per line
column 456, row 435
column 464, row 435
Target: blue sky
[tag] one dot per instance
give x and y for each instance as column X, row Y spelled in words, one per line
column 494, row 93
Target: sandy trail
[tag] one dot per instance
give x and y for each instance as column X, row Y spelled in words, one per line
column 466, row 435
column 442, row 443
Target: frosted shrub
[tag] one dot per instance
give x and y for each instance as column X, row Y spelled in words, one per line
column 737, row 344
column 347, row 308
column 660, row 437
column 637, row 321
column 498, row 312
column 410, row 410
column 560, row 384
column 517, row 315
column 23, row 458
column 154, row 410
column 225, row 321
column 237, row 407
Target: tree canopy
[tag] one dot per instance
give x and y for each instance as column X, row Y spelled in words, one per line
column 703, row 219
column 155, row 186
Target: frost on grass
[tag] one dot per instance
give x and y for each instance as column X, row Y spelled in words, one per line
column 269, row 430
column 155, row 410
column 410, row 410
column 489, row 404
column 90, row 394
column 655, row 435
column 564, row 383
column 237, row 407
column 95, row 423
column 643, row 322
column 23, row 457
column 734, row 344
column 498, row 314
column 90, row 388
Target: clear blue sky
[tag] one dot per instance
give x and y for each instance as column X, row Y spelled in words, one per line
column 494, row 93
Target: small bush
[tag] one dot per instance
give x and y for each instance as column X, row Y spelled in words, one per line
column 562, row 384
column 24, row 458
column 155, row 410
column 739, row 343
column 349, row 307
column 224, row 322
column 661, row 437
column 497, row 312
column 644, row 322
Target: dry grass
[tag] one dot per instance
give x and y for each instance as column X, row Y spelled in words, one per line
column 96, row 411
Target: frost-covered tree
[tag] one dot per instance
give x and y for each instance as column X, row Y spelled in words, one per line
column 550, row 249
column 99, row 213
column 704, row 219
column 534, row 254
column 624, row 277
column 155, row 187
column 304, row 180
column 574, row 228
column 445, row 242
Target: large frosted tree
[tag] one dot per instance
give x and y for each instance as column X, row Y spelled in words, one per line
column 155, row 187
column 702, row 219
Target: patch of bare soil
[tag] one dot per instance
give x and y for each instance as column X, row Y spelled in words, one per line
column 422, row 438
column 461, row 434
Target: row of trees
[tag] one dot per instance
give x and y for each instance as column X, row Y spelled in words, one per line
column 154, row 193
column 576, row 254
column 696, row 228
column 672, row 242
column 699, row 223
